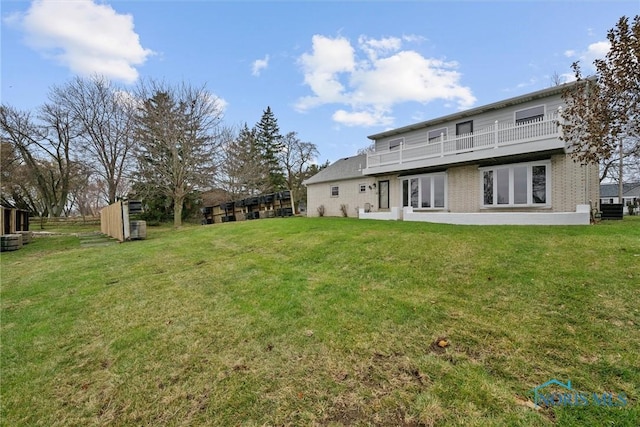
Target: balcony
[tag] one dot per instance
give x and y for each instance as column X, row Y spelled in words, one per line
column 499, row 139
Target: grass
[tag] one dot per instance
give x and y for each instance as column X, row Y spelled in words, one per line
column 325, row 321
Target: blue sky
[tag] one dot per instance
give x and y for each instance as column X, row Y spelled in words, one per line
column 332, row 71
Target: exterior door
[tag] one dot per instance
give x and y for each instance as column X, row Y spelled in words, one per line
column 383, row 194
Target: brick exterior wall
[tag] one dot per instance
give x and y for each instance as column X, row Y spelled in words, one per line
column 571, row 185
column 463, row 189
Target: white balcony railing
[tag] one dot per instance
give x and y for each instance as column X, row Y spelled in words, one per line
column 495, row 136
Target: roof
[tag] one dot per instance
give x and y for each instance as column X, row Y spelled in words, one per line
column 347, row 168
column 554, row 90
column 630, row 189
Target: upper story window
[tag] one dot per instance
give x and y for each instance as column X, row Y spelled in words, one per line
column 394, row 144
column 464, row 142
column 335, row 191
column 363, row 188
column 523, row 184
column 437, row 135
column 464, row 128
column 527, row 115
column 425, row 192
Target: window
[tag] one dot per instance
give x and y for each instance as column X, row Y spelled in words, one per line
column 532, row 114
column 363, row 188
column 524, row 184
column 405, row 192
column 414, row 192
column 335, row 191
column 539, row 184
column 464, row 128
column 394, row 144
column 437, row 135
column 383, row 194
column 424, row 192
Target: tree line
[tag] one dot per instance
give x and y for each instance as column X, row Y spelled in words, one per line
column 92, row 143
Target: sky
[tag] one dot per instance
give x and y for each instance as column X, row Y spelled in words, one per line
column 334, row 72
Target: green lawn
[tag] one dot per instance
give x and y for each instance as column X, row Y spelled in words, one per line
column 324, row 321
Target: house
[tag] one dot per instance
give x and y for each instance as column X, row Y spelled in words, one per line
column 502, row 163
column 341, row 183
column 609, row 194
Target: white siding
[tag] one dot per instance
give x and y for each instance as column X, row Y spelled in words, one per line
column 480, row 122
column 349, row 195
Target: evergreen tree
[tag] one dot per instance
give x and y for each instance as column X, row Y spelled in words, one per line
column 269, row 142
column 243, row 171
column 177, row 135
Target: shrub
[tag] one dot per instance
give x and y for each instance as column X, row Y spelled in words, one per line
column 345, row 210
column 321, row 210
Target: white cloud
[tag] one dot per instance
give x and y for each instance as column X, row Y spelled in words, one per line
column 381, row 76
column 597, row 50
column 532, row 81
column 362, row 118
column 567, row 77
column 374, row 47
column 321, row 69
column 219, row 104
column 86, row 37
column 413, row 38
column 259, row 65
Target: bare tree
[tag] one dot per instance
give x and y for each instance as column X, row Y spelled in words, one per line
column 602, row 120
column 105, row 116
column 45, row 148
column 86, row 196
column 17, row 186
column 296, row 157
column 177, row 129
column 556, row 79
column 368, row 149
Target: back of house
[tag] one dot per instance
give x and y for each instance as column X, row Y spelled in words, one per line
column 502, row 163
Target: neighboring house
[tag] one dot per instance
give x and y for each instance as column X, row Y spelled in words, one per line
column 609, row 193
column 502, row 163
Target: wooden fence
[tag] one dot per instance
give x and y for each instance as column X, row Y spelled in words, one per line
column 114, row 221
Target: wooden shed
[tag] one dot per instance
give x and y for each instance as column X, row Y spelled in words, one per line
column 13, row 220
